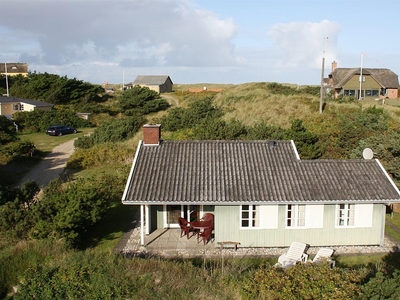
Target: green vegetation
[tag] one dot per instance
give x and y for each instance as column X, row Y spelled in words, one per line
column 59, row 243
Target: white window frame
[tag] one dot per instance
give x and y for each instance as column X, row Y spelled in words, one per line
column 253, row 216
column 345, row 215
column 298, row 216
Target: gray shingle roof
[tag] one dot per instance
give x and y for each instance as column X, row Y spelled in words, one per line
column 233, row 172
column 13, row 68
column 27, row 101
column 151, row 80
column 385, row 77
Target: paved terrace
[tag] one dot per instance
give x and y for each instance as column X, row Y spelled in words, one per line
column 168, row 243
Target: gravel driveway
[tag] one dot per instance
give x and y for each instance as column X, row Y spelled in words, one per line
column 51, row 166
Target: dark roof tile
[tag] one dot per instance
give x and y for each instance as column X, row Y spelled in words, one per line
column 228, row 172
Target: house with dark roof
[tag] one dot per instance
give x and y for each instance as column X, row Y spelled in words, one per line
column 11, row 105
column 375, row 83
column 260, row 192
column 12, row 69
column 158, row 83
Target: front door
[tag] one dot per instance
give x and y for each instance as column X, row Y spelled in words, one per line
column 173, row 214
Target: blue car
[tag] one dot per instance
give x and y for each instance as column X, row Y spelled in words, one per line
column 60, row 130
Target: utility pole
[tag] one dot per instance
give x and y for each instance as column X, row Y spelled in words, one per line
column 322, row 91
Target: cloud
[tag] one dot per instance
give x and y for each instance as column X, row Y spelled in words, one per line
column 301, row 44
column 125, row 32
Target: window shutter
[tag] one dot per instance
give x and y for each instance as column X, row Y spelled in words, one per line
column 363, row 215
column 315, row 216
column 269, row 216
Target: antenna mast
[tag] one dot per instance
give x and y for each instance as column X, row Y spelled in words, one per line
column 322, row 77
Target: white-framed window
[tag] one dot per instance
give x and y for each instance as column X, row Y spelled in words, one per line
column 250, row 216
column 345, row 215
column 16, row 107
column 349, row 93
column 295, row 215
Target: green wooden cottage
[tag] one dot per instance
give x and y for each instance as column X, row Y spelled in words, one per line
column 260, row 192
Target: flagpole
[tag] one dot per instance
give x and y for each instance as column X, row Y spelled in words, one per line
column 322, row 89
column 5, row 67
column 361, row 78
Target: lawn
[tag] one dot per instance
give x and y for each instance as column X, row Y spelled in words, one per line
column 45, row 143
column 392, row 227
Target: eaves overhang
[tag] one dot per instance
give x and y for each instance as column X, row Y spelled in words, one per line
column 282, row 202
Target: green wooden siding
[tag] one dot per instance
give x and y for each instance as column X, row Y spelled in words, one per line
column 227, row 228
column 354, row 83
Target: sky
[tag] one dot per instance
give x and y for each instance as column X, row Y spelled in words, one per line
column 200, row 41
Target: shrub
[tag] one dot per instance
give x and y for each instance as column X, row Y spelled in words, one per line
column 382, row 287
column 98, row 155
column 39, row 120
column 17, row 150
column 197, row 111
column 7, row 131
column 66, row 211
column 303, row 281
column 115, row 131
column 140, row 101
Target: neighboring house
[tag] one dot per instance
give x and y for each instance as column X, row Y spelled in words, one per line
column 11, row 105
column 160, row 84
column 376, row 83
column 260, row 192
column 14, row 69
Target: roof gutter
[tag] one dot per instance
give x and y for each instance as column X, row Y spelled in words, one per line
column 332, row 202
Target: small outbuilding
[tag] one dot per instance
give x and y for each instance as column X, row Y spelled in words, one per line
column 158, row 83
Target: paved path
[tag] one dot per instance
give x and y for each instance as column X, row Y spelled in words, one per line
column 51, row 166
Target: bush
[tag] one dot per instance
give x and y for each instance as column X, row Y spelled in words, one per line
column 382, row 287
column 303, row 281
column 7, row 131
column 197, row 111
column 141, row 101
column 277, row 88
column 66, row 211
column 115, row 131
column 39, row 120
column 98, row 155
column 17, row 150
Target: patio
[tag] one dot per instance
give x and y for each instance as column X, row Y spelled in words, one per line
column 169, row 239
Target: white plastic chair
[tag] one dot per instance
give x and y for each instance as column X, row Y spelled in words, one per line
column 324, row 254
column 296, row 253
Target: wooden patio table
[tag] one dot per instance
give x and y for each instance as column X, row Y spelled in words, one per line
column 201, row 225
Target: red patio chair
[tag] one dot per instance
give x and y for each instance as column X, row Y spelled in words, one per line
column 205, row 235
column 185, row 227
column 209, row 217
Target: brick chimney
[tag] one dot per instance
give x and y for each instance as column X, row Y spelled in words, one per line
column 334, row 65
column 152, row 134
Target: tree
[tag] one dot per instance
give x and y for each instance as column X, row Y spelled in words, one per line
column 306, row 142
column 55, row 89
column 7, row 131
column 140, row 101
